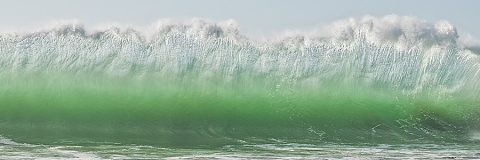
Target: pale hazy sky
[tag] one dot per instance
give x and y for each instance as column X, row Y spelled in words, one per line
column 254, row 16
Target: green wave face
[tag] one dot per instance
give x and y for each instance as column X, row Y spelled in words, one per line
column 209, row 86
column 82, row 110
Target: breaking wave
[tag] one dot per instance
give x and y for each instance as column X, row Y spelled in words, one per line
column 390, row 79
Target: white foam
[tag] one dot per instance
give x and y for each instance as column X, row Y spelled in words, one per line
column 7, row 141
column 475, row 135
column 44, row 153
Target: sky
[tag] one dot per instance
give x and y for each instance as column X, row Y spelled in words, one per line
column 254, row 16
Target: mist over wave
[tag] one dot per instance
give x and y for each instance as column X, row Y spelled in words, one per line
column 354, row 80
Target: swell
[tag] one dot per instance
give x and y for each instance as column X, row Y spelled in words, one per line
column 391, row 79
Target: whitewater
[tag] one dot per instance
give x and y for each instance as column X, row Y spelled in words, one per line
column 389, row 87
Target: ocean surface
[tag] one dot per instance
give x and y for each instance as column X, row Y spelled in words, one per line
column 362, row 88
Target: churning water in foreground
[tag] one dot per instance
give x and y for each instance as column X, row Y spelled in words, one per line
column 392, row 87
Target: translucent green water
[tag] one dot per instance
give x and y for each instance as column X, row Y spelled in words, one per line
column 79, row 110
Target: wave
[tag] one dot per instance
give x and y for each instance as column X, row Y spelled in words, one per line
column 359, row 80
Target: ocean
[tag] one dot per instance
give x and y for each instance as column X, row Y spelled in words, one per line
column 362, row 88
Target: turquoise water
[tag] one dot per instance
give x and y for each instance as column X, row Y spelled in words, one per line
column 373, row 87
